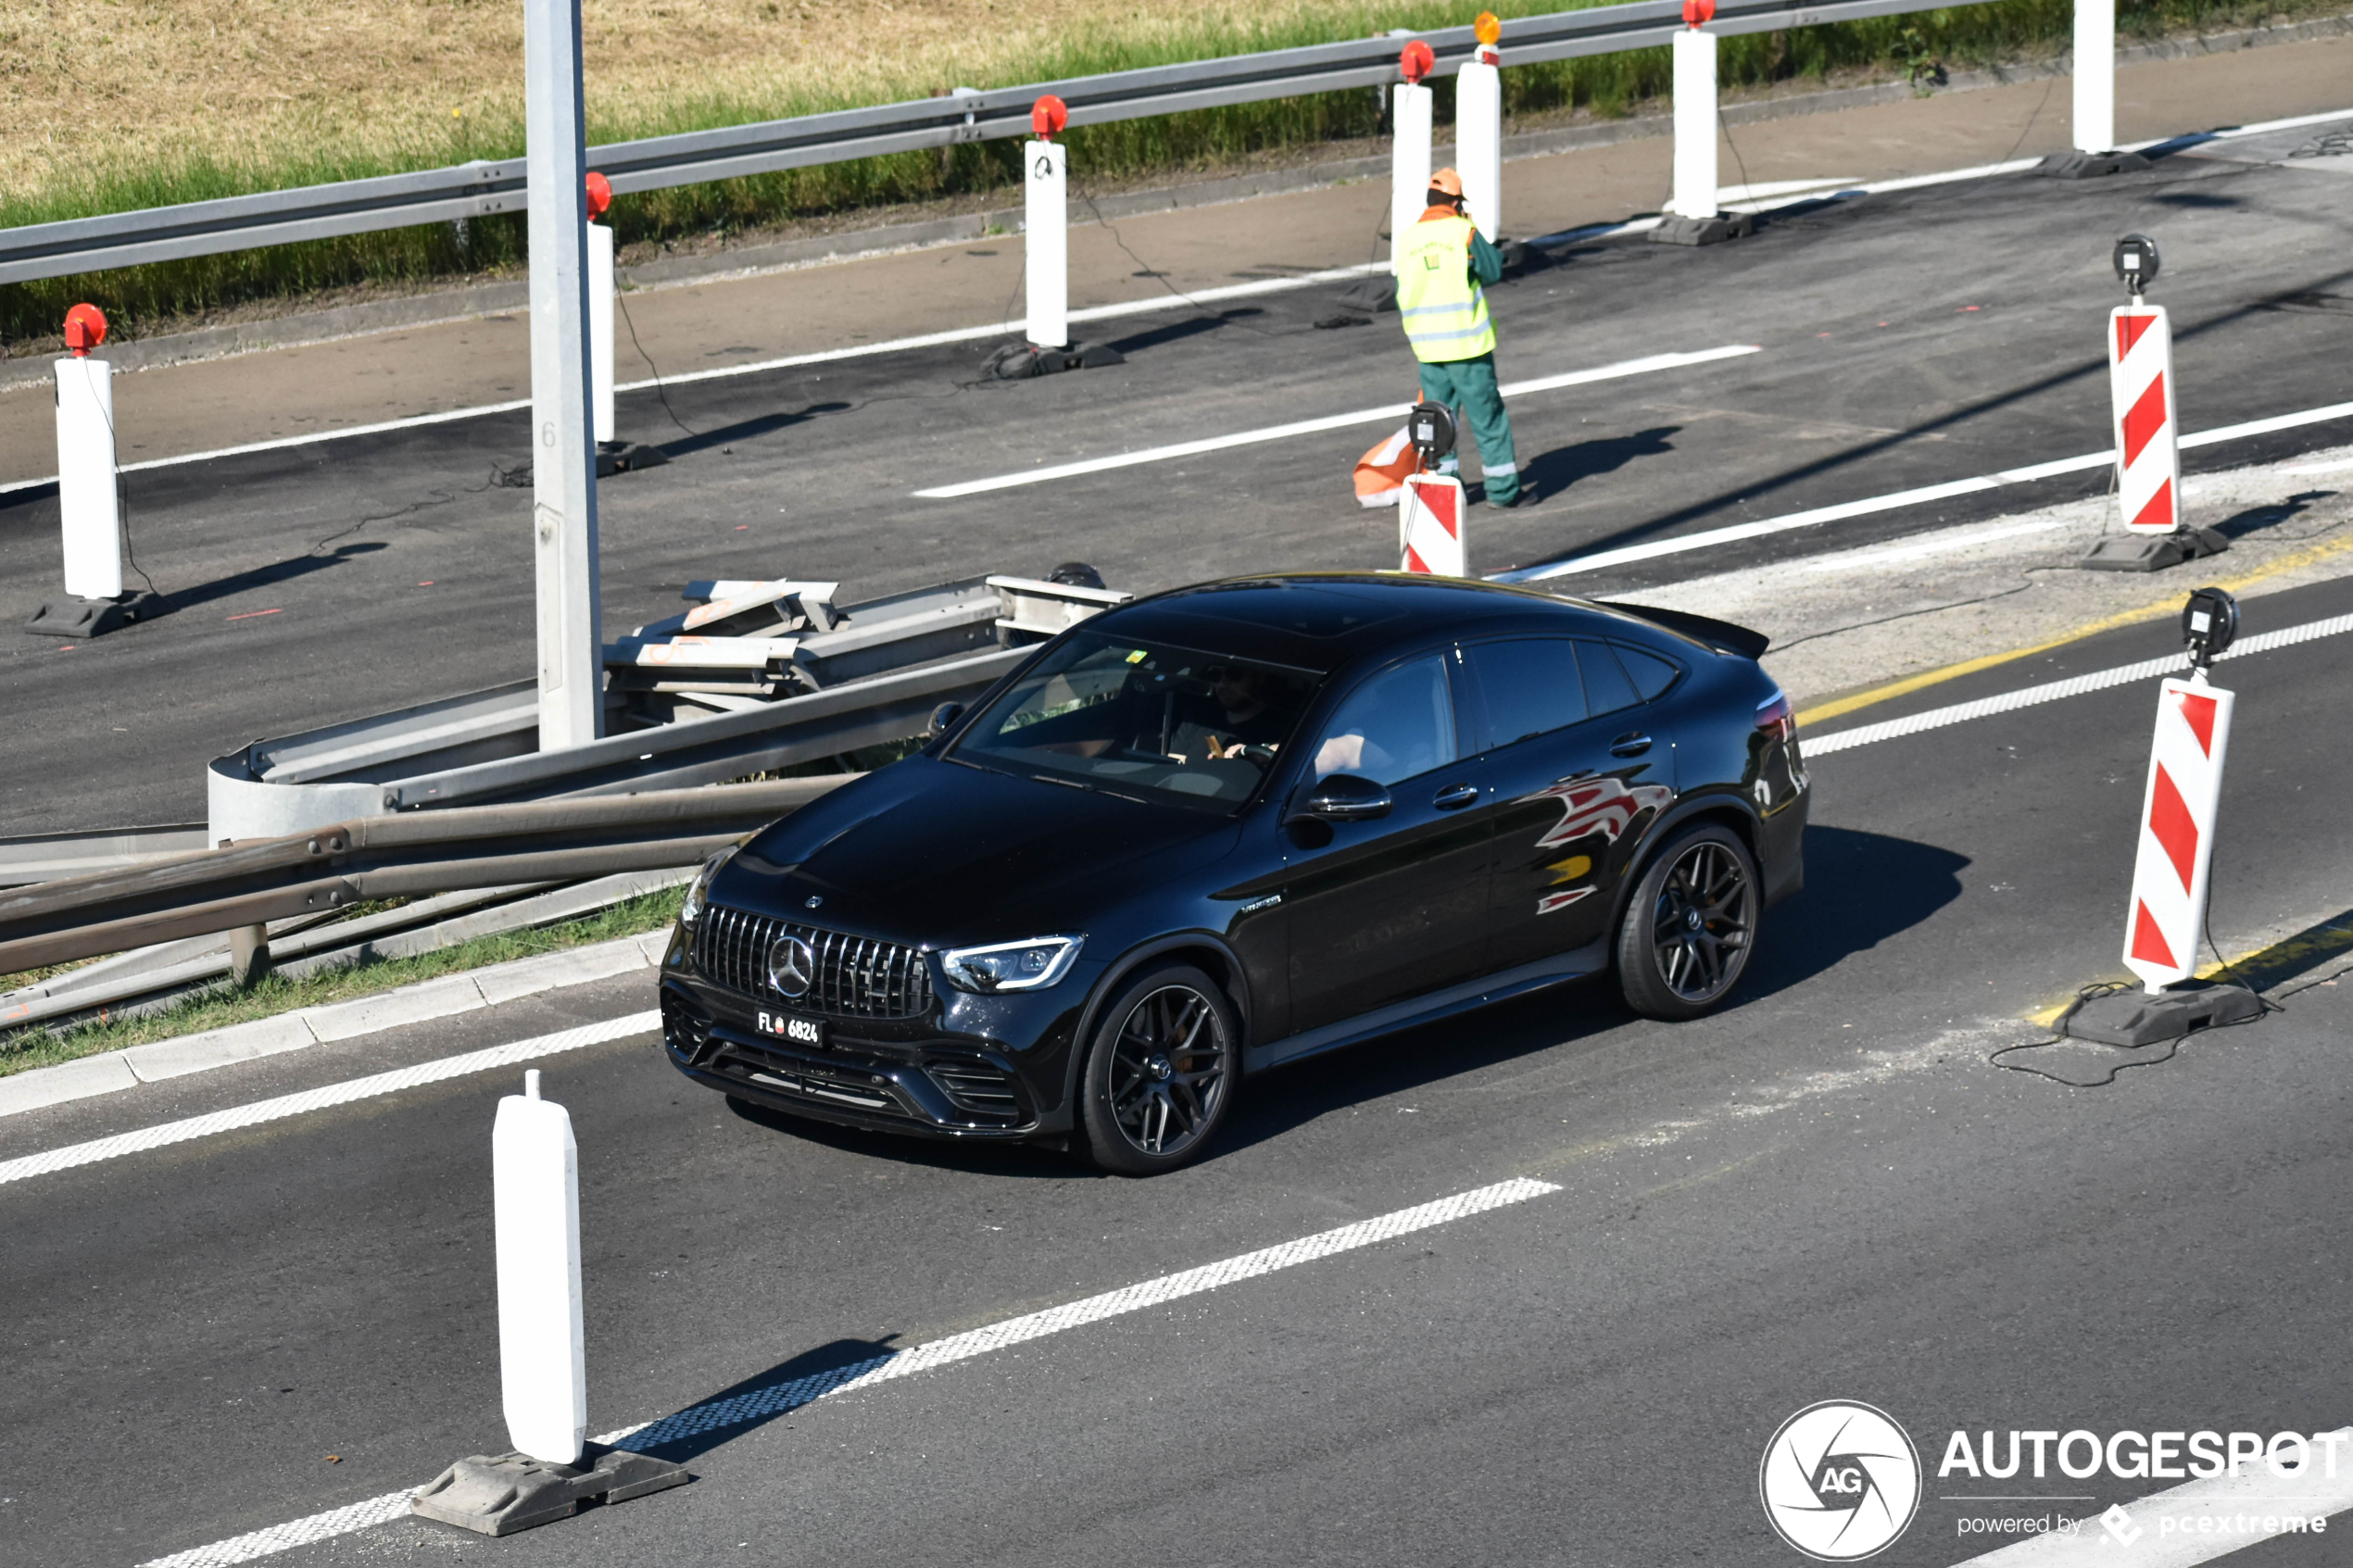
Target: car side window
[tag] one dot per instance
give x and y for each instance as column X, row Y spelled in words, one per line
column 1397, row 724
column 1606, row 686
column 1527, row 686
column 1651, row 673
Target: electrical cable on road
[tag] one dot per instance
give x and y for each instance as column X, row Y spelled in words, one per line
column 122, row 506
column 661, row 391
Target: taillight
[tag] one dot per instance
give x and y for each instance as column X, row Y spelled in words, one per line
column 1776, row 717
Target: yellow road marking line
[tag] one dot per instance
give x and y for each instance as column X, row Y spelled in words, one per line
column 1839, row 706
column 2317, row 943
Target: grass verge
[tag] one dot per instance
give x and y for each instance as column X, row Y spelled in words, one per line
column 147, row 170
column 220, row 1006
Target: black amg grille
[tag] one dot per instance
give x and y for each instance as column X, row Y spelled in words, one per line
column 975, row 1083
column 857, row 976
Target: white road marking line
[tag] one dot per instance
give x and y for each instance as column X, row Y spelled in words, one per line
column 1709, row 537
column 168, row 1133
column 894, row 346
column 1850, row 561
column 2052, row 691
column 1330, row 421
column 2337, row 467
column 762, row 1403
column 2163, row 1527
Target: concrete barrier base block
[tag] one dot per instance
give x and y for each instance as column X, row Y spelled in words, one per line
column 627, row 456
column 1704, row 231
column 2090, row 166
column 2135, row 1018
column 2153, row 552
column 89, row 617
column 499, row 1494
column 1032, row 360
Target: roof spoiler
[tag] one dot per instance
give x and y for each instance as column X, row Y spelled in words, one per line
column 1722, row 636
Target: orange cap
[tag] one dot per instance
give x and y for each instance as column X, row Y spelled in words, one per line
column 1446, row 180
column 85, row 330
column 600, row 195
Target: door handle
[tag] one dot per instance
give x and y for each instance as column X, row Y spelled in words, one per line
column 1453, row 798
column 1631, row 744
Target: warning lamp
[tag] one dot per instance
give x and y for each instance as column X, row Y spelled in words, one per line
column 2135, row 261
column 85, row 330
column 2209, row 620
column 600, row 195
column 1430, row 428
column 1047, row 116
column 1487, row 30
column 1416, row 61
column 1699, row 13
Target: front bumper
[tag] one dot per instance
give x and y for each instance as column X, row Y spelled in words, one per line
column 969, row 1068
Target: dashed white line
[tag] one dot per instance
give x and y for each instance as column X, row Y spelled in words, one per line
column 742, row 1409
column 2053, row 691
column 168, row 1133
column 1330, row 421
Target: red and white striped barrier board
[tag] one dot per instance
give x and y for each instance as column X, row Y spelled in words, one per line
column 2168, row 918
column 1430, row 526
column 2140, row 380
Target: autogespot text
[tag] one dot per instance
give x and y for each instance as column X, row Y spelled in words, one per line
column 2131, row 1456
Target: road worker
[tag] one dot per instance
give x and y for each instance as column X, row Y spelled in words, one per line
column 1442, row 264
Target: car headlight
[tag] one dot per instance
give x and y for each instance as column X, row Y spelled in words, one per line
column 1012, row 966
column 699, row 889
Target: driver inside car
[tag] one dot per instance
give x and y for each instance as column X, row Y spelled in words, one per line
column 1236, row 721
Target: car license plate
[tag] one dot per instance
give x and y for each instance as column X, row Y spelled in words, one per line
column 795, row 1029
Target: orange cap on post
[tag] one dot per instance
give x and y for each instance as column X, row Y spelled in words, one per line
column 1416, row 61
column 1698, row 13
column 600, row 195
column 1047, row 116
column 85, row 330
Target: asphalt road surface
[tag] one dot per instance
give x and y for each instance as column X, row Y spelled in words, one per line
column 1904, row 339
column 1825, row 1191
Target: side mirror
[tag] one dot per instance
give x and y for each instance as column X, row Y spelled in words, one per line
column 1344, row 797
column 943, row 718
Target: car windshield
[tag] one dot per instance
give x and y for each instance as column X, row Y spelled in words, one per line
column 1147, row 721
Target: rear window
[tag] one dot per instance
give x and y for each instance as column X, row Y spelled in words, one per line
column 1652, row 675
column 1527, row 686
column 1607, row 689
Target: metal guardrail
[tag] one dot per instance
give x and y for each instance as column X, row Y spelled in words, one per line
column 483, row 187
column 252, row 883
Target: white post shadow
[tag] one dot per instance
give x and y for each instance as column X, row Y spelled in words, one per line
column 1046, row 242
column 563, row 436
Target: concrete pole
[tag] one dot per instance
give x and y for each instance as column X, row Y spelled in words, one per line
column 1411, row 113
column 1694, row 124
column 2095, row 76
column 563, row 452
column 600, row 314
column 1479, row 145
column 1046, row 243
column 88, row 511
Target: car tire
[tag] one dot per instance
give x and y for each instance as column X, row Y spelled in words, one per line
column 1687, row 933
column 1160, row 1071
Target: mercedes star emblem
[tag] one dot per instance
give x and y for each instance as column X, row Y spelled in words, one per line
column 791, row 966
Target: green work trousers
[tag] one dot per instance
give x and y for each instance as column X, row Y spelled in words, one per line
column 1468, row 387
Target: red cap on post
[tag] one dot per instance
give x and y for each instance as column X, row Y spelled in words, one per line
column 1699, row 13
column 85, row 330
column 1047, row 116
column 1416, row 61
column 600, row 195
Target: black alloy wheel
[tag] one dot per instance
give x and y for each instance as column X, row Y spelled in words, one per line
column 1690, row 927
column 1162, row 1072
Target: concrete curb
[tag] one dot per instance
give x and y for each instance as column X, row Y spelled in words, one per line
column 420, row 1003
column 492, row 299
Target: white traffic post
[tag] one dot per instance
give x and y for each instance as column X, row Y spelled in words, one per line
column 542, row 1359
column 1695, row 129
column 1430, row 523
column 563, row 489
column 1046, row 226
column 601, row 288
column 1479, row 129
column 2140, row 380
column 2167, row 920
column 88, row 513
column 2095, row 76
column 1411, row 115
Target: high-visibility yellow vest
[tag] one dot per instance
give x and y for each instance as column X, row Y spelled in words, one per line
column 1443, row 307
